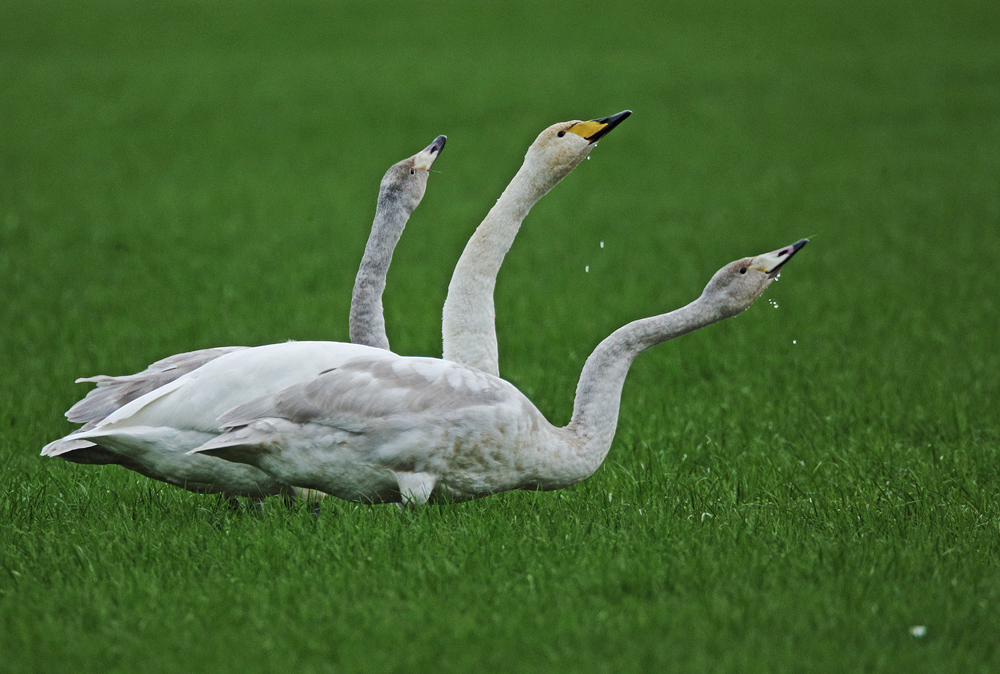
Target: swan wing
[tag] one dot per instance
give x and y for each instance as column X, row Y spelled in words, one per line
column 372, row 428
column 112, row 393
column 362, row 391
column 195, row 401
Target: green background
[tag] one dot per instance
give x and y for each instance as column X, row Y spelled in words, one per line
column 793, row 490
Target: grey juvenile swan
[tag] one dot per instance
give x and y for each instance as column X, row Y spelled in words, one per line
column 400, row 192
column 379, row 427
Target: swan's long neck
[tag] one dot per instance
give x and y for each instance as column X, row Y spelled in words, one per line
column 468, row 325
column 599, row 391
column 367, row 321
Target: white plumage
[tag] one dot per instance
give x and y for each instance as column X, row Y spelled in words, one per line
column 468, row 324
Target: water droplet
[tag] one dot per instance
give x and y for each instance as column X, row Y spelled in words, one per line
column 794, row 342
column 602, row 244
column 587, row 268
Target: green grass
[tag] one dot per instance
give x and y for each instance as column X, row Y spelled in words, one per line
column 792, row 490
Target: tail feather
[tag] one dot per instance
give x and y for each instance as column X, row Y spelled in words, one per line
column 86, row 452
column 66, row 445
column 239, row 446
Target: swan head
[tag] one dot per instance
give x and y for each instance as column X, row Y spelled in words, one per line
column 737, row 285
column 406, row 181
column 561, row 147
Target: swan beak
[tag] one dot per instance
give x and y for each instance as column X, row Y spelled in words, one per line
column 425, row 158
column 771, row 263
column 596, row 129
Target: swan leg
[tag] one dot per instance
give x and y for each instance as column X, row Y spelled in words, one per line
column 257, row 505
column 414, row 488
column 312, row 497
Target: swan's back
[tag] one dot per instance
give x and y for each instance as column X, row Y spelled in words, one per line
column 196, row 400
column 114, row 392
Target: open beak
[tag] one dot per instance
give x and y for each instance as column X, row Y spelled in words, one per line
column 596, row 129
column 771, row 263
column 425, row 158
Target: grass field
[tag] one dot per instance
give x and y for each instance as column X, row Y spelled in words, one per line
column 793, row 490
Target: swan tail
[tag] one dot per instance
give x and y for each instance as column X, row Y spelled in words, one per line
column 75, row 450
column 240, row 445
column 69, row 445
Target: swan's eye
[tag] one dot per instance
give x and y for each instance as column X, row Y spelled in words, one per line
column 561, row 134
column 412, row 172
column 743, row 270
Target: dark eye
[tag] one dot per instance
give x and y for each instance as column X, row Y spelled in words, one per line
column 743, row 270
column 412, row 172
column 561, row 134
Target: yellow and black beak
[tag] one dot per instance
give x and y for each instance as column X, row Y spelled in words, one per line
column 596, row 129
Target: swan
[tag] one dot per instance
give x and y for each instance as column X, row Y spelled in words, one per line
column 468, row 322
column 151, row 448
column 400, row 192
column 385, row 428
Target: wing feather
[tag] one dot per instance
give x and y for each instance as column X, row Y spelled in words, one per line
column 113, row 393
column 362, row 390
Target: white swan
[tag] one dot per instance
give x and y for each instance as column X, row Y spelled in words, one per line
column 382, row 428
column 401, row 190
column 468, row 325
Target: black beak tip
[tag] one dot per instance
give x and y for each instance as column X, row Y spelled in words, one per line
column 617, row 118
column 610, row 123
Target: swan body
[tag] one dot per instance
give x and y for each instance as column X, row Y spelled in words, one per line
column 468, row 324
column 154, row 448
column 156, row 430
column 381, row 427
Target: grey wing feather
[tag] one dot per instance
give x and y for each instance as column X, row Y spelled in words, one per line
column 113, row 393
column 361, row 390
